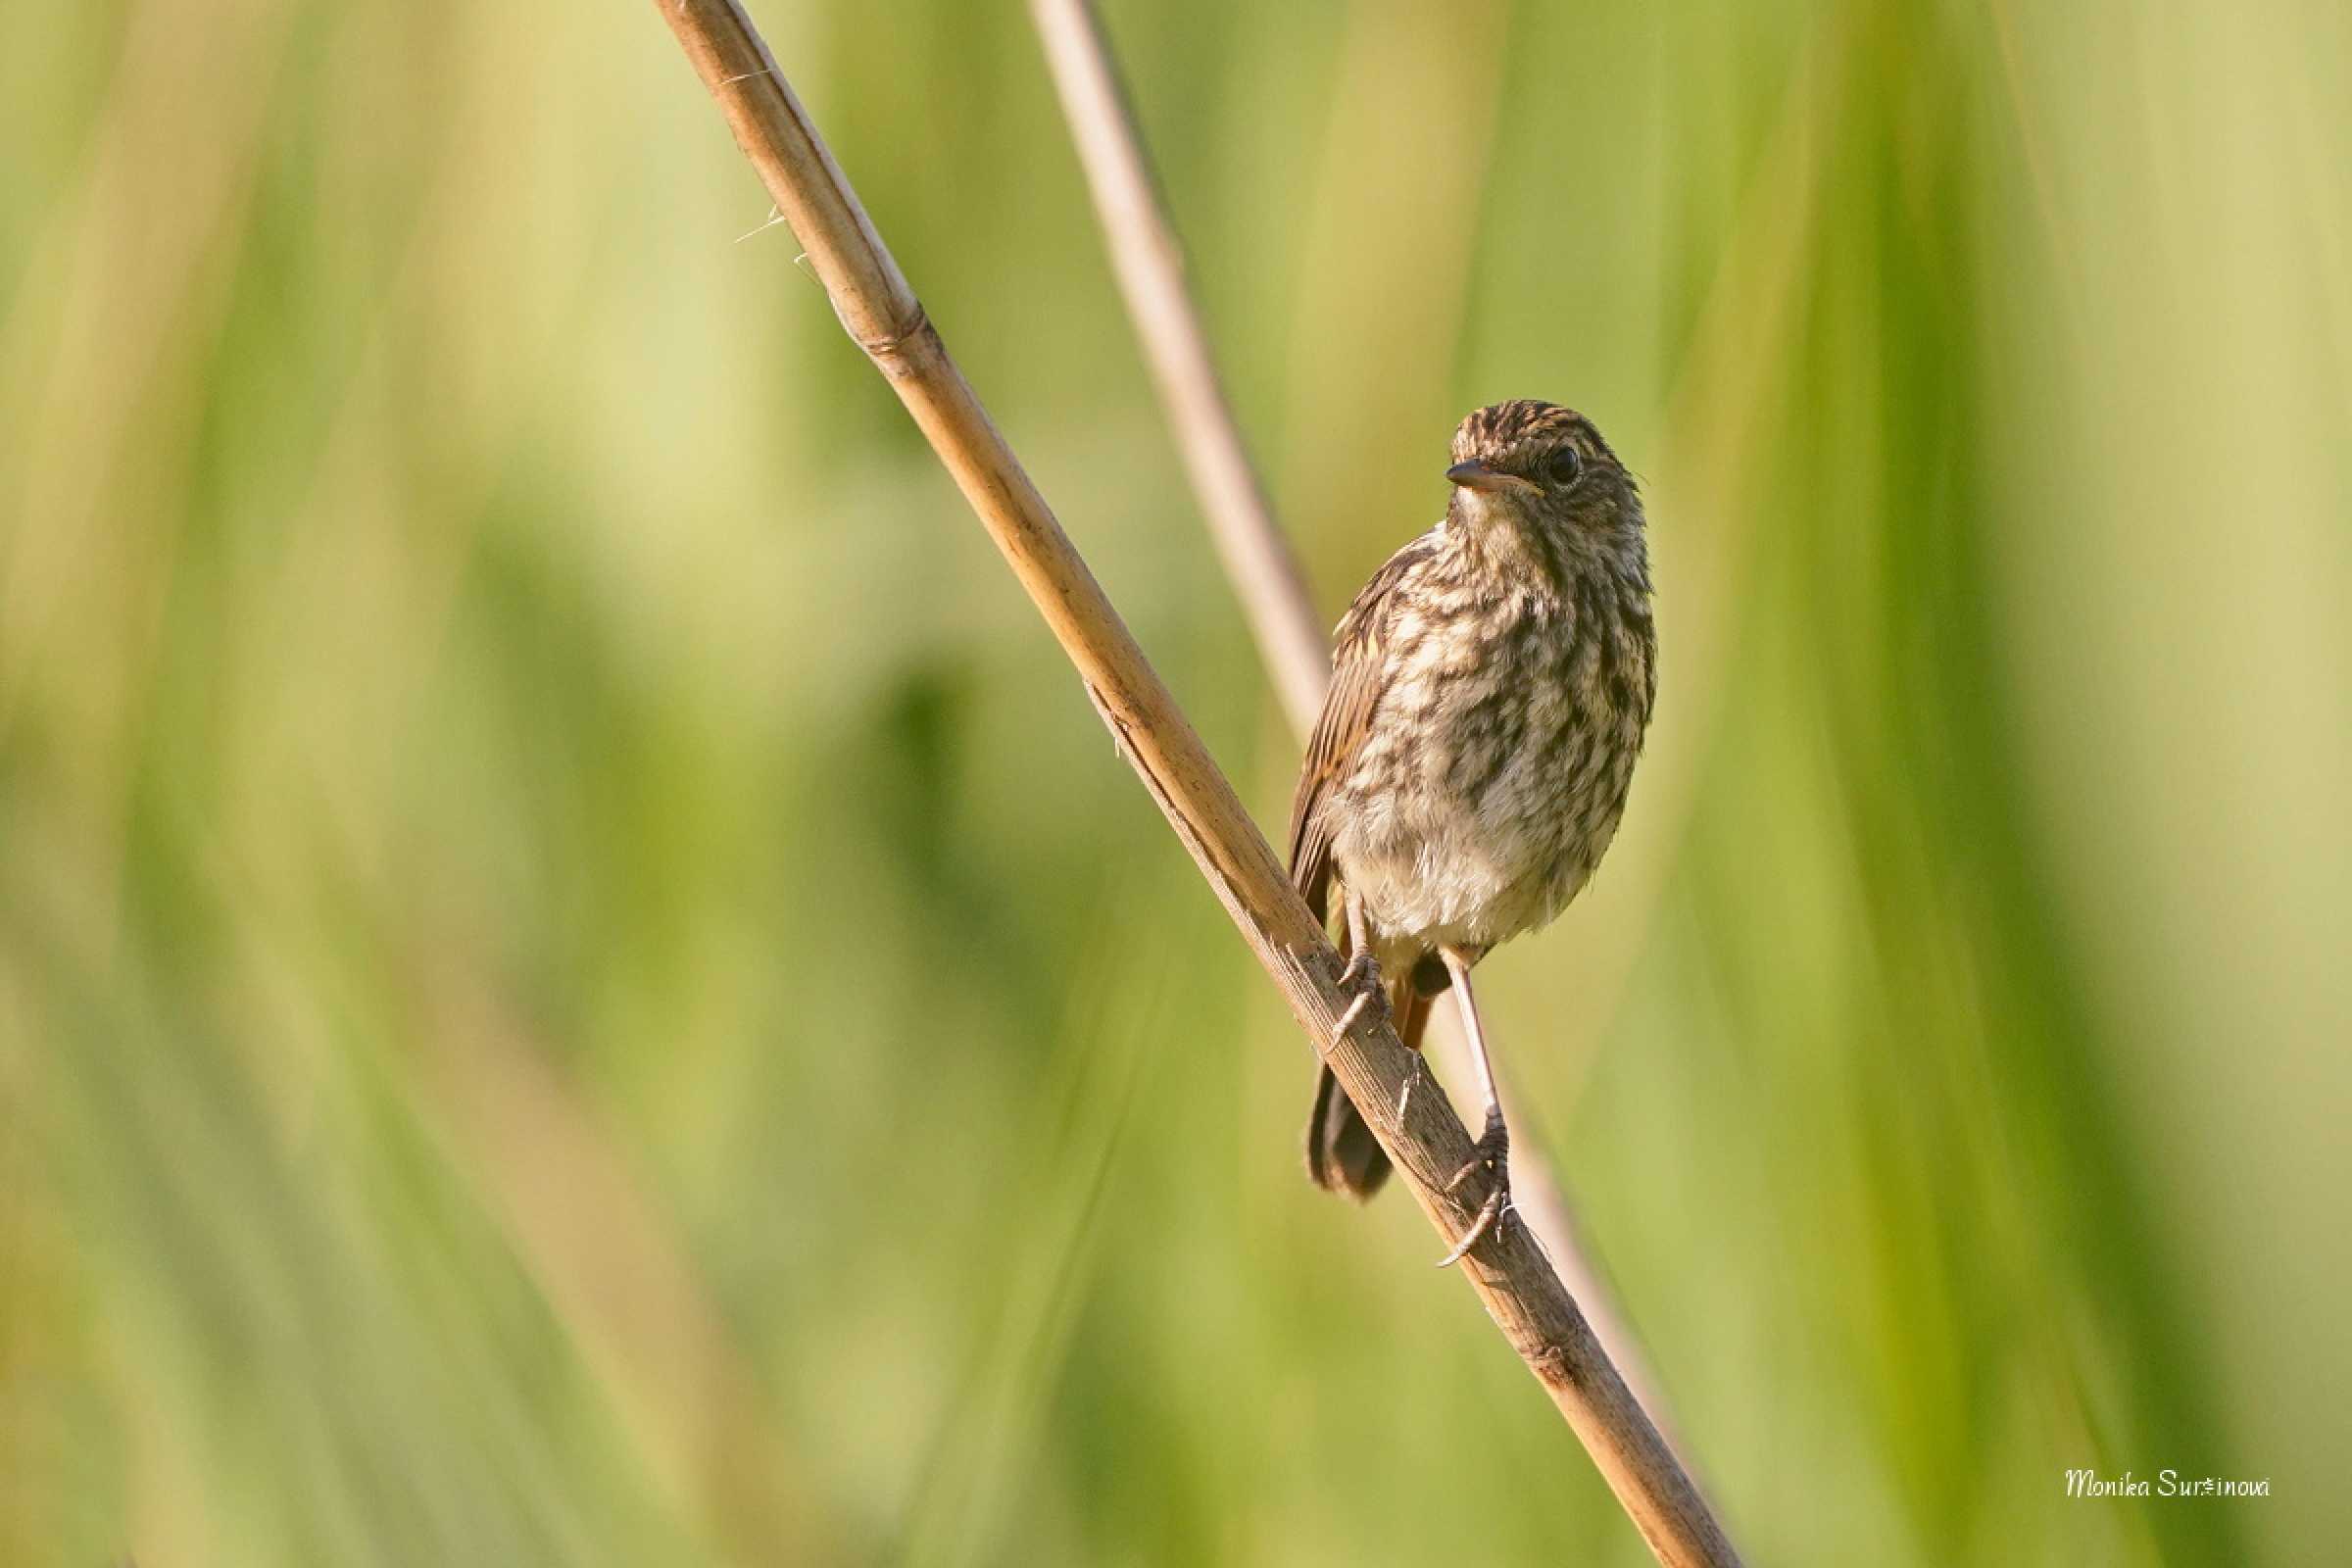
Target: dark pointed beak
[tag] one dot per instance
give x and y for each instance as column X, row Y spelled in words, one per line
column 1477, row 476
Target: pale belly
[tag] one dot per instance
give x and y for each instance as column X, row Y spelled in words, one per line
column 1438, row 866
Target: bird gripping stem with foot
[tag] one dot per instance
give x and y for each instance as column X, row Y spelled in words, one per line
column 1490, row 688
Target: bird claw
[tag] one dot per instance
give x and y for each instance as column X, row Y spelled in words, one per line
column 1493, row 1152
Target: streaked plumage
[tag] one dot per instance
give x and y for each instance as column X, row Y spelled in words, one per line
column 1491, row 687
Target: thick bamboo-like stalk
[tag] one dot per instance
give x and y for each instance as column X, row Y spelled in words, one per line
column 1427, row 1142
column 1147, row 258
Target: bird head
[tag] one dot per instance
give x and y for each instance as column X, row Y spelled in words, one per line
column 1539, row 470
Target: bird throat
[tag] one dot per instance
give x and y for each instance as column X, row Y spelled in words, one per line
column 1501, row 539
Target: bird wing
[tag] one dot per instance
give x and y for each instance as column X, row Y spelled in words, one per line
column 1359, row 674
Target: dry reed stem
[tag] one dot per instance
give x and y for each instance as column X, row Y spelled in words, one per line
column 1428, row 1145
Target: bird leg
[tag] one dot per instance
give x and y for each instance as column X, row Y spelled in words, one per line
column 1495, row 1143
column 1362, row 974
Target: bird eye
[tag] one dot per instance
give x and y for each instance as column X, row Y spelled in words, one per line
column 1563, row 467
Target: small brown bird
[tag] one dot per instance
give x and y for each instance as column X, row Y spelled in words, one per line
column 1490, row 690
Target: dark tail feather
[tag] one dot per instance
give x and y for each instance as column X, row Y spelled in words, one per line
column 1342, row 1155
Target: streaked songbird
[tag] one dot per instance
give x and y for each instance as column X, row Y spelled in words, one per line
column 1490, row 690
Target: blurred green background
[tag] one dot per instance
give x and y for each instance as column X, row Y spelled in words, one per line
column 578, row 983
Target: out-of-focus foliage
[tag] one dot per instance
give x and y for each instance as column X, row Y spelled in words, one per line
column 578, row 984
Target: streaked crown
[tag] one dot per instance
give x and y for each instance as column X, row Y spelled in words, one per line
column 1509, row 435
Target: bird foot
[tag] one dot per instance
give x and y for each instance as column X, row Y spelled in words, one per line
column 1493, row 1152
column 1363, row 976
